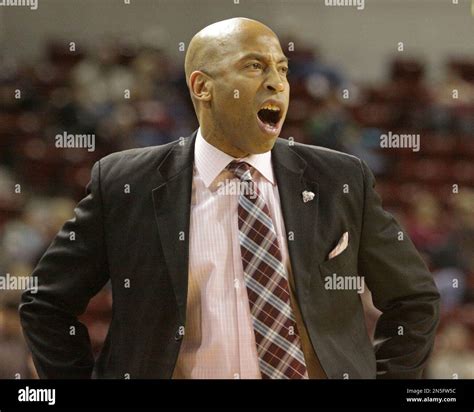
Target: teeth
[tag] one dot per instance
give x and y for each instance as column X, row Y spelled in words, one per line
column 270, row 106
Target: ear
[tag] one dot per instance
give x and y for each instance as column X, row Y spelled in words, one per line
column 200, row 85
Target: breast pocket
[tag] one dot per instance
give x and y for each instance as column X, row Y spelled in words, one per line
column 340, row 286
column 339, row 264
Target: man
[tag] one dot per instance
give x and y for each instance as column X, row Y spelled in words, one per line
column 222, row 247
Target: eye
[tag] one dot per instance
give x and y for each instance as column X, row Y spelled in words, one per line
column 255, row 65
column 284, row 69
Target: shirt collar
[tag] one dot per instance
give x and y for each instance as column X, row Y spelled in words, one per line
column 210, row 161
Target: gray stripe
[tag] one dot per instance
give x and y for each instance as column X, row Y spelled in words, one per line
column 270, row 297
column 274, row 337
column 262, row 254
column 253, row 209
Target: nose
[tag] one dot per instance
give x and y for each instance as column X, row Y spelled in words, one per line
column 274, row 82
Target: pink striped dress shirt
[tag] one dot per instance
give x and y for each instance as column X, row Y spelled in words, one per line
column 219, row 340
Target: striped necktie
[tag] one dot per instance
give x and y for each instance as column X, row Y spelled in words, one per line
column 276, row 334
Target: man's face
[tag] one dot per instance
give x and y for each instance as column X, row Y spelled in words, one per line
column 250, row 93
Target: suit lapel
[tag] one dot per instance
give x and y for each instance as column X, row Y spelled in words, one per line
column 172, row 200
column 300, row 218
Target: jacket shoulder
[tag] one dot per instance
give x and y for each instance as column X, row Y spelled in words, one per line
column 324, row 158
column 134, row 161
column 138, row 155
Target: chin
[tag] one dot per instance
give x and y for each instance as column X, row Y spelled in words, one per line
column 265, row 146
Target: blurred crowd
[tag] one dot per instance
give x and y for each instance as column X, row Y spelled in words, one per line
column 135, row 95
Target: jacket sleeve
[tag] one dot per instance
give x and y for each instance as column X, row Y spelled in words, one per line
column 402, row 289
column 69, row 274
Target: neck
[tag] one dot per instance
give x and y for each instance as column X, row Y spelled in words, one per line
column 211, row 136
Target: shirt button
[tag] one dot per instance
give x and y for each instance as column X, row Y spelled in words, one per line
column 237, row 284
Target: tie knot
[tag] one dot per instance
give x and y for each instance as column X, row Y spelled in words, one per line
column 240, row 170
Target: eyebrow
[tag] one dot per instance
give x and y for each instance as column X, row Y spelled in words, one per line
column 261, row 57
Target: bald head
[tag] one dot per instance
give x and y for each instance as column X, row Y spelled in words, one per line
column 209, row 45
column 234, row 68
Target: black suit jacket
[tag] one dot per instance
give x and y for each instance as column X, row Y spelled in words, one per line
column 133, row 228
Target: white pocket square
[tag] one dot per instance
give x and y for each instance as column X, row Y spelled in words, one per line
column 341, row 246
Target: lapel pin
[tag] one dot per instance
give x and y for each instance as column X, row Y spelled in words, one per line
column 307, row 196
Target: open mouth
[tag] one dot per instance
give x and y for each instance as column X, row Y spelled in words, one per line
column 270, row 115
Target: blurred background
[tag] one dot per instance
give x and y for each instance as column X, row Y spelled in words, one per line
column 115, row 70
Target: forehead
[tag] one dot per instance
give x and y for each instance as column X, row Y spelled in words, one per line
column 265, row 43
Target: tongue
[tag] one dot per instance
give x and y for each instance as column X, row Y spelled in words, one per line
column 268, row 122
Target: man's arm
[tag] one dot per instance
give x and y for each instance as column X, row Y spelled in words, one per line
column 402, row 289
column 70, row 273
